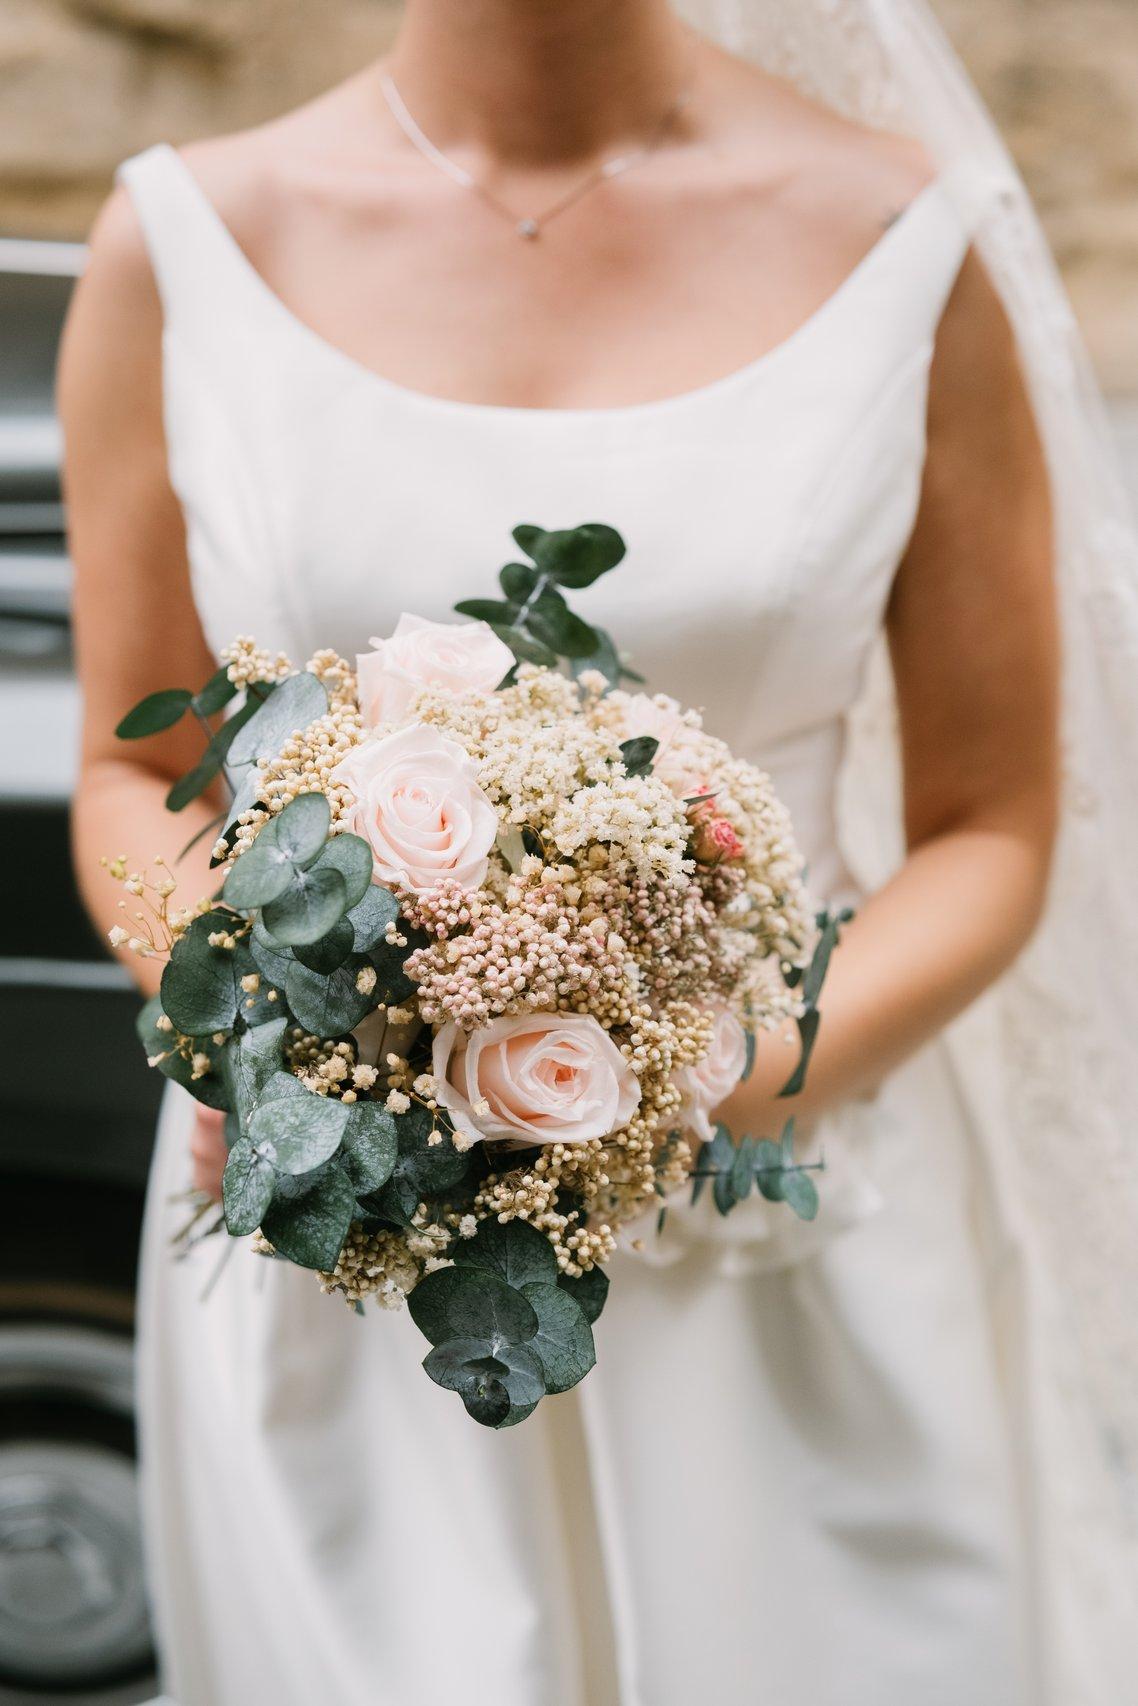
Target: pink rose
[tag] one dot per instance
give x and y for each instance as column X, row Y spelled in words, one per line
column 715, row 838
column 711, row 1080
column 681, row 755
column 456, row 656
column 535, row 1078
column 419, row 807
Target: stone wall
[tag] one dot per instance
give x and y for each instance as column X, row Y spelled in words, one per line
column 85, row 82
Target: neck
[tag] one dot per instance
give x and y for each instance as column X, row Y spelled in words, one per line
column 539, row 81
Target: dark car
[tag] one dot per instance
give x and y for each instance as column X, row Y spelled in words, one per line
column 77, row 1104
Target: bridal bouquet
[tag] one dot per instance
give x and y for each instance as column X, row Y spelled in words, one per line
column 494, row 938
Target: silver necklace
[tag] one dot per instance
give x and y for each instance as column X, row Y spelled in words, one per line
column 529, row 225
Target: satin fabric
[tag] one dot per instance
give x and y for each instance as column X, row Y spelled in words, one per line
column 790, row 1479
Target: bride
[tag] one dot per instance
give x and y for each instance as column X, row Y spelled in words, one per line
column 765, row 295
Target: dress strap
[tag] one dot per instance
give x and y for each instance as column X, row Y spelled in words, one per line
column 186, row 241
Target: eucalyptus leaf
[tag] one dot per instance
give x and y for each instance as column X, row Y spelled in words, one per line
column 209, row 1088
column 808, row 1035
column 216, row 694
column 524, row 646
column 563, row 1339
column 515, row 1252
column 639, row 754
column 156, row 712
column 490, row 610
column 248, row 1063
column 465, row 1365
column 291, row 706
column 328, row 1003
column 308, row 1219
column 556, row 626
column 246, row 1188
column 742, row 1170
column 330, row 952
column 469, row 1303
column 271, row 957
column 607, row 660
column 800, row 1193
column 307, row 909
column 770, row 1168
column 589, row 1290
column 576, row 557
column 299, row 1132
column 258, row 876
column 518, row 581
column 352, row 857
column 201, row 988
column 370, row 1146
column 370, row 917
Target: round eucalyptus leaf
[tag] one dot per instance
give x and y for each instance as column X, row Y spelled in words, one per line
column 518, row 581
column 352, row 857
column 330, row 952
column 371, row 916
column 482, row 1306
column 563, row 1340
column 271, row 958
column 208, row 1088
column 429, row 1304
column 258, row 875
column 304, row 1131
column 328, row 1003
column 156, row 712
column 309, row 1218
column 515, row 1252
column 464, row 1363
column 577, row 556
column 313, row 901
column 248, row 1063
column 370, row 1146
column 301, row 829
column 293, row 705
column 487, row 1400
column 516, row 1413
column 589, row 1290
column 551, row 619
column 201, row 989
column 246, row 1188
column 486, row 609
column 639, row 754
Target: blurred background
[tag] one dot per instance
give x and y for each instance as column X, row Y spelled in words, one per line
column 83, row 84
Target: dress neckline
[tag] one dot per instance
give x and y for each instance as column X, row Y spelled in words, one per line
column 675, row 402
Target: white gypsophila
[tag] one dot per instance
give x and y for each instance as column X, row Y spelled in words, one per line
column 636, row 816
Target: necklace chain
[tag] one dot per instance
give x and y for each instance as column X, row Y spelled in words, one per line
column 529, row 225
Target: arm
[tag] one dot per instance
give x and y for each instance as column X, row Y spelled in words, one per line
column 136, row 627
column 135, row 623
column 973, row 637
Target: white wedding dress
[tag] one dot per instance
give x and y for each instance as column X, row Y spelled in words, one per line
column 791, row 1479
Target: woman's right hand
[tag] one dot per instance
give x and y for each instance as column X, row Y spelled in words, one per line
column 208, row 1151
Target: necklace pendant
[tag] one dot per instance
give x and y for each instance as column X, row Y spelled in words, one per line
column 527, row 228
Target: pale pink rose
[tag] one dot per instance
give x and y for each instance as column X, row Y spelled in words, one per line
column 419, row 807
column 535, row 1078
column 456, row 656
column 707, row 1084
column 680, row 756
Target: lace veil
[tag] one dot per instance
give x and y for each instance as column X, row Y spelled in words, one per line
column 1047, row 1062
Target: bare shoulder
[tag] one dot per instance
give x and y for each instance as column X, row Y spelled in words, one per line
column 828, row 172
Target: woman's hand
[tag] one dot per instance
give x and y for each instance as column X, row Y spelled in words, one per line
column 208, row 1151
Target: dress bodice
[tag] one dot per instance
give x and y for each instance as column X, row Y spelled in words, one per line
column 765, row 513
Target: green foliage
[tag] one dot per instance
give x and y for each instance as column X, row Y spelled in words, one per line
column 210, row 1088
column 156, row 712
column 246, row 1187
column 309, row 1217
column 210, row 765
column 285, row 847
column 735, row 1169
column 352, row 857
column 201, row 985
column 370, row 917
column 248, row 1063
column 505, row 1331
column 292, row 705
column 296, row 1129
column 308, row 908
column 215, row 695
column 639, row 754
column 272, row 958
column 590, row 1290
column 532, row 617
column 370, row 1146
column 330, row 952
column 327, row 1003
